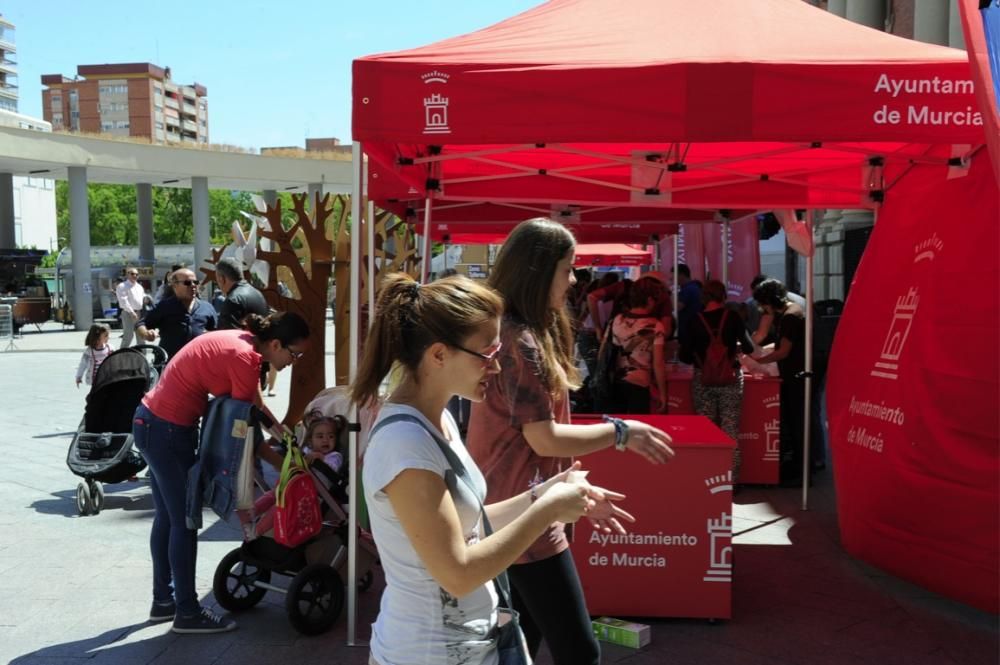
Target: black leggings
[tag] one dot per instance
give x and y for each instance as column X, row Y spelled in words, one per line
column 549, row 597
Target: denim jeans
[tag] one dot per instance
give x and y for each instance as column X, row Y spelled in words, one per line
column 170, row 450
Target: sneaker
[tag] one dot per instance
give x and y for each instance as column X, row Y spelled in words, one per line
column 162, row 612
column 205, row 622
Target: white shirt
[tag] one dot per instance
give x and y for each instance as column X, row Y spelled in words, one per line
column 419, row 623
column 130, row 296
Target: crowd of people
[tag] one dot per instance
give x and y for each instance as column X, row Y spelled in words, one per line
column 470, row 525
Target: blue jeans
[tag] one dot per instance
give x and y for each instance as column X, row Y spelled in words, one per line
column 170, row 450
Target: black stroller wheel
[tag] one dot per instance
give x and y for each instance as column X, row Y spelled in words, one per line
column 235, row 581
column 315, row 599
column 84, row 504
column 96, row 497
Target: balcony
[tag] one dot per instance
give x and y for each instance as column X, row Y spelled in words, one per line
column 189, row 126
column 7, row 65
column 171, row 103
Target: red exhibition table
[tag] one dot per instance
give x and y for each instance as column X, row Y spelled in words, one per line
column 676, row 560
column 760, row 421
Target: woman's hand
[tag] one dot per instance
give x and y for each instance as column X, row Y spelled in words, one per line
column 605, row 515
column 649, row 442
column 566, row 501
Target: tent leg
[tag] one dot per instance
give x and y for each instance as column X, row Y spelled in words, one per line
column 370, row 227
column 355, row 347
column 657, row 253
column 807, row 402
column 676, row 263
column 425, row 253
column 726, row 231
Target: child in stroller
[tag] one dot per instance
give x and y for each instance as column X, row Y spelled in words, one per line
column 315, row 595
column 102, row 449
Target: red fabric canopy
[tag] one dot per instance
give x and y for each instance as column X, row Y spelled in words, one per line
column 665, row 103
column 914, row 385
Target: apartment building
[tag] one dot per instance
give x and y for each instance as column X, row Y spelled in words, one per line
column 129, row 99
column 8, row 67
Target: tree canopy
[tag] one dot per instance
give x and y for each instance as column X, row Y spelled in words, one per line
column 114, row 217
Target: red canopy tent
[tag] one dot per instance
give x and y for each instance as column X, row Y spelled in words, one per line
column 724, row 104
column 665, row 103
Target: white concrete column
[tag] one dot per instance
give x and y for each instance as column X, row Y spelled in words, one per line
column 956, row 38
column 144, row 206
column 838, row 7
column 79, row 238
column 930, row 21
column 8, row 234
column 270, row 197
column 314, row 189
column 867, row 12
column 202, row 230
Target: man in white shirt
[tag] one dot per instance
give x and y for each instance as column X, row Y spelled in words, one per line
column 130, row 296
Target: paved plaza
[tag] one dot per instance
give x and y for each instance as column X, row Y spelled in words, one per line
column 77, row 589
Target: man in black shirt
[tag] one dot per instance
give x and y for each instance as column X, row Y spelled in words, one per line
column 790, row 354
column 179, row 319
column 241, row 298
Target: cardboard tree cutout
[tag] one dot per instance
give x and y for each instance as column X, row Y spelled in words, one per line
column 292, row 264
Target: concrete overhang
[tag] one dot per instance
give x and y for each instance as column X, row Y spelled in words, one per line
column 26, row 152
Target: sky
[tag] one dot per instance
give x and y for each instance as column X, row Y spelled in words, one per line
column 276, row 72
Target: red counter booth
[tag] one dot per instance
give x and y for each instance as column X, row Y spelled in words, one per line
column 676, row 560
column 760, row 421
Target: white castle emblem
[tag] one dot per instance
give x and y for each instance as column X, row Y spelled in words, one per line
column 887, row 366
column 436, row 114
column 720, row 561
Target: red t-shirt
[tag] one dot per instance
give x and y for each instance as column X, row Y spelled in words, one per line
column 496, row 442
column 216, row 363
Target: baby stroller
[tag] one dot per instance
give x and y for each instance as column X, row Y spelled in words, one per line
column 314, row 597
column 102, row 450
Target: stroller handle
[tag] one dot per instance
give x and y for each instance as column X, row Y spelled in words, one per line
column 159, row 354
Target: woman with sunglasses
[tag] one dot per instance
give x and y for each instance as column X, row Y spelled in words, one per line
column 439, row 604
column 165, row 429
column 520, row 435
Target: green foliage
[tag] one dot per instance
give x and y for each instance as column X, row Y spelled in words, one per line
column 114, row 216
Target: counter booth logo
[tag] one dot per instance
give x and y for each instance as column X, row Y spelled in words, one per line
column 436, row 106
column 720, row 551
column 772, row 430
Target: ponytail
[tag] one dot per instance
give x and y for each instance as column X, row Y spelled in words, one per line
column 286, row 327
column 409, row 317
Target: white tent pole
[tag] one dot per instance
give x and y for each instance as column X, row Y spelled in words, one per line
column 425, row 253
column 807, row 403
column 355, row 347
column 726, row 230
column 370, row 227
column 657, row 253
column 676, row 263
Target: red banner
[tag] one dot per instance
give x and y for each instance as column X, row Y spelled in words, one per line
column 690, row 249
column 912, row 391
column 743, row 255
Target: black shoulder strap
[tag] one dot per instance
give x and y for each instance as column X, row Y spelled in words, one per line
column 457, row 470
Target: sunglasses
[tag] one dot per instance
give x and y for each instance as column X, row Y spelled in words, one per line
column 487, row 358
column 187, row 282
column 294, row 354
column 133, row 273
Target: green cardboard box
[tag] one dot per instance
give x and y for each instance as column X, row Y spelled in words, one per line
column 625, row 633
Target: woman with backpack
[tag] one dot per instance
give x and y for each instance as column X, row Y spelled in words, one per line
column 638, row 338
column 711, row 346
